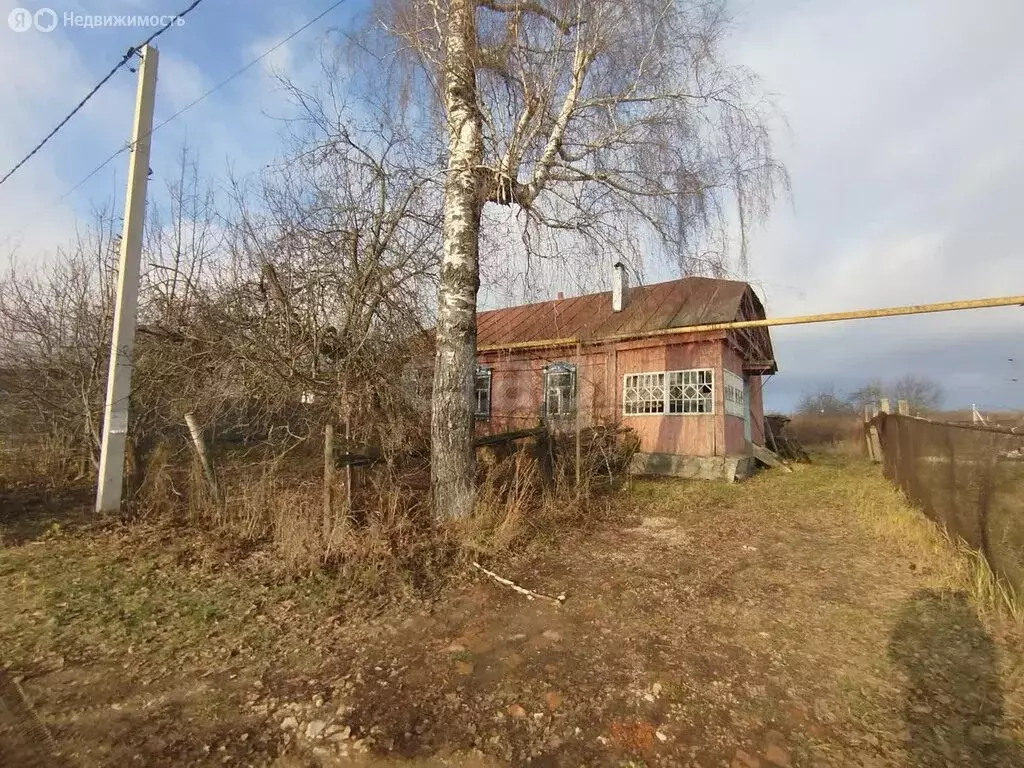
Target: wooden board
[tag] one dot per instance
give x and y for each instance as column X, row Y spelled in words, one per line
column 770, row 459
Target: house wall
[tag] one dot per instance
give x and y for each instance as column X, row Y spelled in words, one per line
column 686, row 434
column 517, row 384
column 757, row 410
column 517, row 381
column 736, row 441
column 735, row 426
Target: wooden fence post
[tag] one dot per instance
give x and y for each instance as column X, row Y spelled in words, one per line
column 867, row 433
column 328, row 485
column 579, row 419
column 204, row 455
column 874, row 437
column 348, row 465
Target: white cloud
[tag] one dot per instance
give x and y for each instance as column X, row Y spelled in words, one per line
column 181, row 82
column 43, row 78
column 905, row 155
column 281, row 62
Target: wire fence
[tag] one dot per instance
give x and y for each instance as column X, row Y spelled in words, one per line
column 969, row 479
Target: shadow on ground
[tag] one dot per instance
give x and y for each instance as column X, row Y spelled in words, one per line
column 953, row 702
column 27, row 512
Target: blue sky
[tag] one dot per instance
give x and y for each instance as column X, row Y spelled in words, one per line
column 237, row 126
column 901, row 132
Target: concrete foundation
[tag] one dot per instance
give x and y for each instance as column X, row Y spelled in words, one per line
column 728, row 468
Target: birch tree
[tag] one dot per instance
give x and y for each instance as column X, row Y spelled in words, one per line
column 614, row 124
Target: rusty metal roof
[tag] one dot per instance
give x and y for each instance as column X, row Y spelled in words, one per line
column 689, row 301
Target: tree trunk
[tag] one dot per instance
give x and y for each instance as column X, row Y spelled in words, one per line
column 453, row 462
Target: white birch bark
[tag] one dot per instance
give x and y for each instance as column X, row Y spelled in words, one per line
column 453, row 462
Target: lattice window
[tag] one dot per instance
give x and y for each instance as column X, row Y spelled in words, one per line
column 678, row 392
column 735, row 397
column 644, row 393
column 559, row 390
column 482, row 393
column 691, row 391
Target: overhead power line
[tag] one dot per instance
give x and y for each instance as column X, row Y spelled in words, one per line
column 246, row 67
column 242, row 70
column 106, row 78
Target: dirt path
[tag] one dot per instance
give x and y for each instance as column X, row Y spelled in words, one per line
column 800, row 620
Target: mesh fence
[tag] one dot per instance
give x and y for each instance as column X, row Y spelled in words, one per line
column 967, row 478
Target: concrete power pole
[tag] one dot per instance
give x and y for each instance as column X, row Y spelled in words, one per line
column 122, row 345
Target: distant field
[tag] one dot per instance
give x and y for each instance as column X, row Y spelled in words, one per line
column 844, row 433
column 994, row 418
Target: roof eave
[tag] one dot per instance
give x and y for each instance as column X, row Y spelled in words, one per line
column 761, row 367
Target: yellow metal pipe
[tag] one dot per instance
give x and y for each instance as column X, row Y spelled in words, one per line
column 829, row 317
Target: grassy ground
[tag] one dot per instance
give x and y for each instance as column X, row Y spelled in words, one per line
column 810, row 619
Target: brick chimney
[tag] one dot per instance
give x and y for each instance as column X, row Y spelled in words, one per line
column 620, row 289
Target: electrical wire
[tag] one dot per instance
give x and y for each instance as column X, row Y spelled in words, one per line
column 245, row 68
column 106, row 78
column 187, row 107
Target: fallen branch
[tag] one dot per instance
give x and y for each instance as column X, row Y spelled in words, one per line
column 530, row 595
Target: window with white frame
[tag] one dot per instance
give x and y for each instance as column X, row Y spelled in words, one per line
column 482, row 393
column 559, row 390
column 644, row 393
column 735, row 395
column 691, row 391
column 673, row 392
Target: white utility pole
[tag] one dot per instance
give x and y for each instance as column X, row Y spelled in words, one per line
column 122, row 344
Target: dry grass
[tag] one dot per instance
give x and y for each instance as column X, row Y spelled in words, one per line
column 44, row 462
column 787, row 605
column 879, row 507
column 837, row 434
column 389, row 546
column 994, row 418
column 960, row 566
column 511, row 492
column 157, row 496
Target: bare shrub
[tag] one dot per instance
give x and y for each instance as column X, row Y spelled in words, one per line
column 158, row 497
column 511, row 490
column 55, row 321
